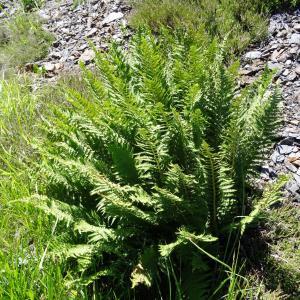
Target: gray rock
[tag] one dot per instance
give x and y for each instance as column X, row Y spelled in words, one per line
column 49, row 67
column 297, row 179
column 297, row 70
column 291, row 167
column 280, row 159
column 253, row 55
column 297, row 27
column 87, row 56
column 295, row 39
column 285, row 149
column 292, row 186
column 113, row 17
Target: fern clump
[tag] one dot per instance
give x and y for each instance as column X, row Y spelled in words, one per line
column 154, row 158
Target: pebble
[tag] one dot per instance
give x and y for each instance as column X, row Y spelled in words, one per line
column 281, row 52
column 87, row 56
column 95, row 20
column 253, row 55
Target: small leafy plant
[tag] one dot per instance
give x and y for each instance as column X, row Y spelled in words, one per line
column 151, row 168
column 31, row 4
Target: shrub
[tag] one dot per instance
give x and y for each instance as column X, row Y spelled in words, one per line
column 240, row 19
column 152, row 168
column 31, row 4
column 23, row 41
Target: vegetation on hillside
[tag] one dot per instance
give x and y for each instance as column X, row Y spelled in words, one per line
column 136, row 180
column 151, row 170
column 22, row 40
column 244, row 21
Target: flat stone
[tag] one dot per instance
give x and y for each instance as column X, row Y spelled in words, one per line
column 276, row 54
column 292, row 76
column 286, row 72
column 295, row 39
column 297, row 27
column 87, row 56
column 296, row 163
column 55, row 54
column 113, row 17
column 49, row 67
column 291, row 167
column 293, row 158
column 92, row 32
column 294, row 50
column 281, row 33
column 297, row 179
column 280, row 159
column 297, row 70
column 292, row 186
column 253, row 55
column 294, row 122
column 285, row 149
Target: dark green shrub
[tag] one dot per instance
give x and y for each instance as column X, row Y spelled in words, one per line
column 31, row 4
column 155, row 161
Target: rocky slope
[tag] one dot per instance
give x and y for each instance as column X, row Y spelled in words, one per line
column 75, row 25
column 98, row 21
column 281, row 51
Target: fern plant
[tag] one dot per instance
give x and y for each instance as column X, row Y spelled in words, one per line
column 157, row 155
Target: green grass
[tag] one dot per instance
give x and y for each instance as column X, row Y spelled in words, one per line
column 25, row 233
column 22, row 40
column 31, row 4
column 283, row 236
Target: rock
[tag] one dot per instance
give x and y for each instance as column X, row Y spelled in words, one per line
column 292, row 76
column 297, row 27
column 55, row 55
column 274, row 156
column 291, row 159
column 113, row 17
column 92, row 32
column 281, row 33
column 49, row 67
column 287, row 141
column 292, row 186
column 274, row 66
column 290, row 167
column 295, row 39
column 297, row 70
column 286, row 72
column 294, row 50
column 294, row 122
column 276, row 54
column 253, row 55
column 297, row 179
column 283, row 57
column 87, row 56
column 296, row 163
column 285, row 149
column 280, row 159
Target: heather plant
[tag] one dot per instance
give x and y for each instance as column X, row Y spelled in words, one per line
column 31, row 4
column 246, row 22
column 22, row 41
column 151, row 168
